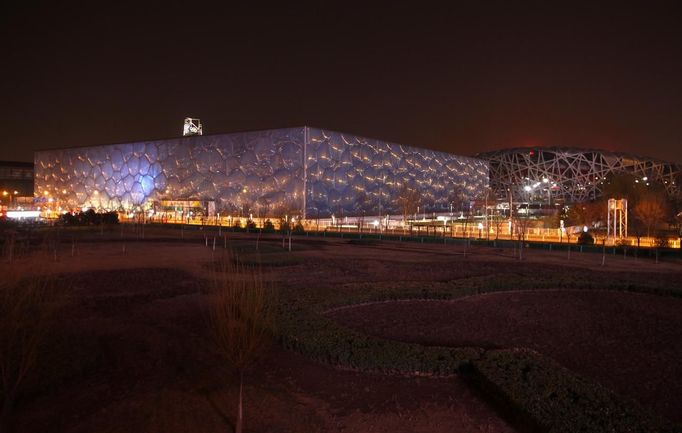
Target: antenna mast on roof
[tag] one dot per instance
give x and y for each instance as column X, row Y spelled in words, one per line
column 191, row 127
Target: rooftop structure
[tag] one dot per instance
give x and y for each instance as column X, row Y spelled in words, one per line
column 192, row 127
column 16, row 176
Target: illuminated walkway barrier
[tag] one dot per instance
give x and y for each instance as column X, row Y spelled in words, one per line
column 419, row 227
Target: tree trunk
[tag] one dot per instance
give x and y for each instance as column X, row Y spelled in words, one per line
column 6, row 413
column 240, row 407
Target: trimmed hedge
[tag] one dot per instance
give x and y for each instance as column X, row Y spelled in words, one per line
column 555, row 399
column 325, row 341
column 540, row 391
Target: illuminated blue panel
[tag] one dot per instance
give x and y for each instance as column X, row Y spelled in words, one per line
column 237, row 171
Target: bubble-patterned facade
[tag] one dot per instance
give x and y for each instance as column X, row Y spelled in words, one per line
column 306, row 171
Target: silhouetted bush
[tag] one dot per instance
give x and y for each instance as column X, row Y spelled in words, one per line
column 250, row 225
column 585, row 238
column 110, row 218
column 268, row 226
column 662, row 241
column 298, row 228
column 89, row 217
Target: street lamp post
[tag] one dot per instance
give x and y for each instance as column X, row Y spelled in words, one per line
column 11, row 194
column 511, row 208
column 549, row 190
column 487, row 224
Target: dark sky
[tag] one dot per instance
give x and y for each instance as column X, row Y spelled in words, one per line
column 462, row 79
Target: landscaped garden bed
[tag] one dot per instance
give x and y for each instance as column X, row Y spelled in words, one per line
column 552, row 399
column 608, row 336
column 131, row 350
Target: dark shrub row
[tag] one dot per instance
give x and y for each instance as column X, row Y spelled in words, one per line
column 325, row 341
column 89, row 217
column 268, row 227
column 555, row 399
column 542, row 392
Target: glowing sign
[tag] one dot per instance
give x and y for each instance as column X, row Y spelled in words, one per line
column 19, row 214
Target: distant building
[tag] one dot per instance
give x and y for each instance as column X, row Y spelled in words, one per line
column 303, row 171
column 571, row 175
column 15, row 176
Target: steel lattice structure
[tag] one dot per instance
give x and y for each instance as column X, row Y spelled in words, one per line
column 303, row 170
column 574, row 175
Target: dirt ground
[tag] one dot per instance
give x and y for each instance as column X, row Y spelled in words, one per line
column 156, row 370
column 131, row 350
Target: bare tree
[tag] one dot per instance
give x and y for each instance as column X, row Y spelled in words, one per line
column 651, row 210
column 409, row 197
column 625, row 186
column 361, row 203
column 263, row 208
column 521, row 225
column 242, row 316
column 489, row 199
column 458, row 199
column 28, row 302
column 586, row 214
column 498, row 221
column 520, row 219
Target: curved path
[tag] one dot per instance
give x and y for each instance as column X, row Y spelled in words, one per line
column 629, row 342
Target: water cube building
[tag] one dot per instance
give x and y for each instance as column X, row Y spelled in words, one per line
column 304, row 171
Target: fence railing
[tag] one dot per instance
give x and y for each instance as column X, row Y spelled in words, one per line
column 431, row 228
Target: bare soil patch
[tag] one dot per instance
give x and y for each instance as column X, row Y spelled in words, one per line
column 629, row 342
column 131, row 352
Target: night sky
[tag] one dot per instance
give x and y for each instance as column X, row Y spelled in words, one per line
column 462, row 79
